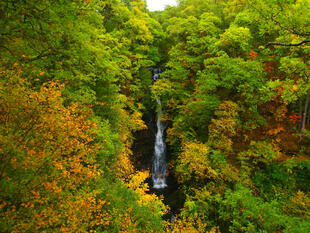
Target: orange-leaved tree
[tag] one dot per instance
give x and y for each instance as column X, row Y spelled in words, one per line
column 47, row 161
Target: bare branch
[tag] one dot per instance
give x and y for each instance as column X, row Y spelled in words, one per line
column 297, row 33
column 6, row 48
column 284, row 44
column 43, row 54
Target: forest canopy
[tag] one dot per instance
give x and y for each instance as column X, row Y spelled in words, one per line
column 77, row 93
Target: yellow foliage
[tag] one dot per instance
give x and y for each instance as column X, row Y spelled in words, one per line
column 194, row 164
column 223, row 128
column 298, row 205
column 124, row 168
column 187, row 225
column 48, row 160
column 136, row 118
column 137, row 183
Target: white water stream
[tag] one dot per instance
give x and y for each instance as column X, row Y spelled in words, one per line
column 159, row 159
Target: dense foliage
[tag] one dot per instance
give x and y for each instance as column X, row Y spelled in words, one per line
column 76, row 81
column 235, row 93
column 73, row 80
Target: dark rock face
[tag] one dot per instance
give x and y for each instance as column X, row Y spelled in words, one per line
column 143, row 147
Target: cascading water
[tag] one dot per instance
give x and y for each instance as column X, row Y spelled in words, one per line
column 159, row 160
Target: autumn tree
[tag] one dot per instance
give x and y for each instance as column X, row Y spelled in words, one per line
column 48, row 161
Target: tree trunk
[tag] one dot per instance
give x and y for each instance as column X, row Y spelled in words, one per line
column 300, row 113
column 303, row 125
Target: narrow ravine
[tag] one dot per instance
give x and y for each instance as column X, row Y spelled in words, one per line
column 162, row 183
column 152, row 153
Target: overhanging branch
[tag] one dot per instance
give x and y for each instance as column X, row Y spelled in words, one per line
column 285, row 44
column 276, row 22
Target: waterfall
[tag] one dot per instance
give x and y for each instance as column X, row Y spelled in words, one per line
column 159, row 160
